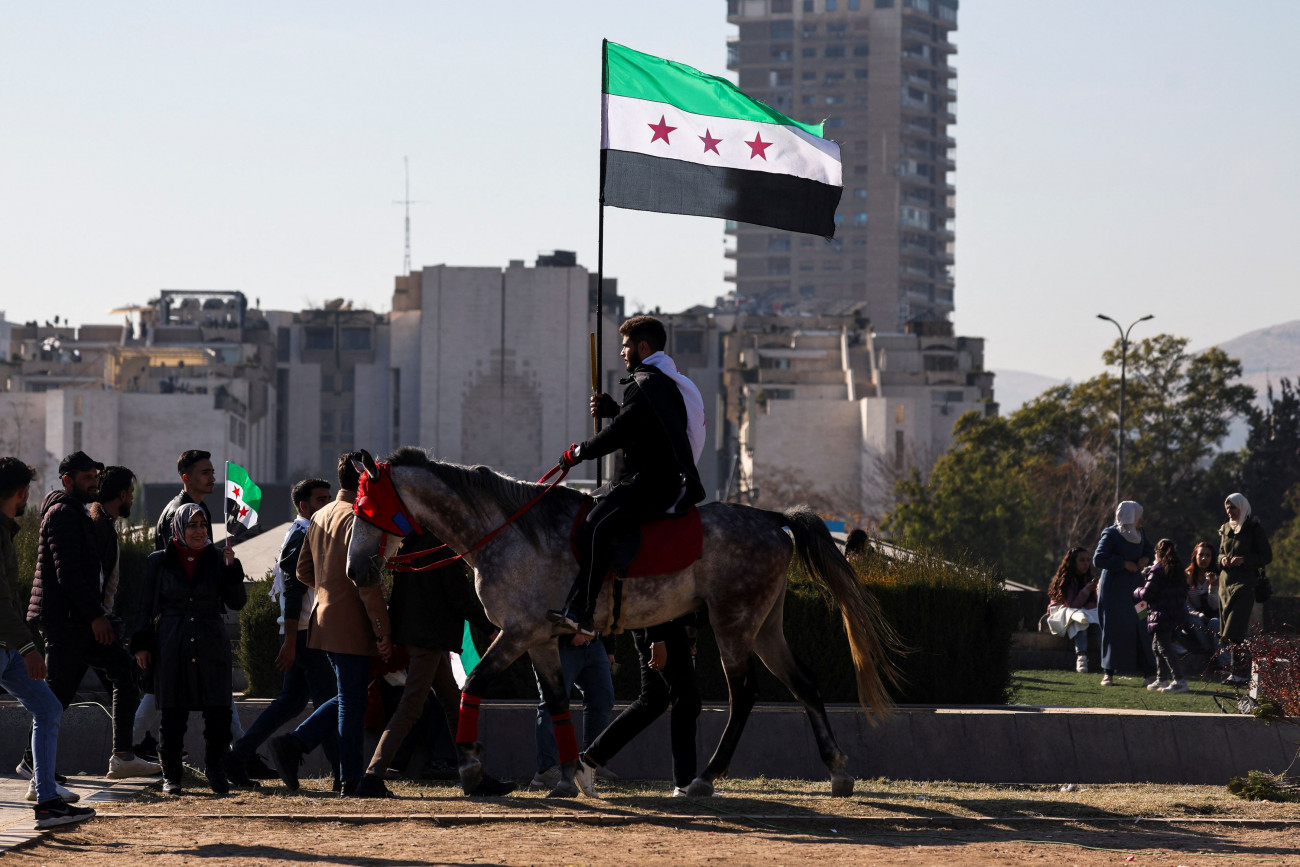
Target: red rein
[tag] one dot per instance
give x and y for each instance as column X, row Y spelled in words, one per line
column 405, row 562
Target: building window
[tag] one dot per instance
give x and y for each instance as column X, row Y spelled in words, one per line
column 688, row 342
column 835, row 29
column 327, row 425
column 900, row 445
column 76, row 436
column 778, row 243
column 319, row 338
column 808, row 290
column 807, row 5
column 940, row 362
column 78, row 405
column 808, row 99
column 838, row 99
column 835, row 122
column 861, row 50
column 900, row 414
column 777, row 266
column 860, row 193
column 860, row 75
column 809, row 31
column 780, row 78
column 397, row 406
column 860, row 218
column 282, row 345
column 346, row 428
column 349, row 380
column 234, row 429
column 782, row 53
column 884, row 4
column 859, row 170
column 356, row 339
column 835, row 50
column 782, row 7
column 834, row 78
column 831, row 5
column 327, row 383
column 781, row 29
column 810, row 75
column 810, row 52
column 855, row 5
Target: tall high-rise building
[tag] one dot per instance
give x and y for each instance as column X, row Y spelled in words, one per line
column 878, row 72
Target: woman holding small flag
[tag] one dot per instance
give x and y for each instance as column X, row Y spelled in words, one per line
column 181, row 638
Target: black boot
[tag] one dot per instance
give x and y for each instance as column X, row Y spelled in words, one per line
column 237, row 772
column 286, row 752
column 172, row 766
column 214, row 757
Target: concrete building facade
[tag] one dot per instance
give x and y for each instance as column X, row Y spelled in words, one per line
column 878, row 73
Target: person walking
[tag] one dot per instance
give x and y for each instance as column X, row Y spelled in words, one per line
column 1165, row 593
column 584, row 663
column 181, row 636
column 350, row 624
column 67, row 603
column 1244, row 550
column 1123, row 551
column 428, row 611
column 667, row 656
column 307, row 673
column 22, row 667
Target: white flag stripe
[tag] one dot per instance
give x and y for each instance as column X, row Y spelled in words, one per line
column 626, row 126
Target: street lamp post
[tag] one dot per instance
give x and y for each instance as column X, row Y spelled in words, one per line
column 1123, row 369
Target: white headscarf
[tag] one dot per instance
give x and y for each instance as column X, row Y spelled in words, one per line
column 1240, row 501
column 1127, row 514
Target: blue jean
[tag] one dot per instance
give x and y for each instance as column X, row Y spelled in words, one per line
column 310, row 677
column 47, row 712
column 587, row 667
column 1081, row 642
column 345, row 714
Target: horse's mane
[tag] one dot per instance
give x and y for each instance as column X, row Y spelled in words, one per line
column 484, row 484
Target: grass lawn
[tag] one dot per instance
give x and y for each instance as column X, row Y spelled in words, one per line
column 1071, row 689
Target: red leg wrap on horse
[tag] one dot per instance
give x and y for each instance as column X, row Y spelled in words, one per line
column 566, row 744
column 467, row 724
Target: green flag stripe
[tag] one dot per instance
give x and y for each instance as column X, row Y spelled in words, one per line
column 252, row 494
column 644, row 76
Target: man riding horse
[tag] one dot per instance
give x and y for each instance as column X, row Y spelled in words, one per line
column 660, row 428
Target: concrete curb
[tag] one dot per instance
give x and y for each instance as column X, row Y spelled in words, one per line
column 1011, row 744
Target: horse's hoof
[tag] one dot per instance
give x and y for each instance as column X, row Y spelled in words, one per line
column 563, row 789
column 699, row 788
column 841, row 786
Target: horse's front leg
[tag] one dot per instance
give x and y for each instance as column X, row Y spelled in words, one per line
column 555, row 698
column 505, row 649
column 742, row 692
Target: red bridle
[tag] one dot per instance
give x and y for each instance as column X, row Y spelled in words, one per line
column 379, row 504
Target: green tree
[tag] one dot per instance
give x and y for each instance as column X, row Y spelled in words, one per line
column 1019, row 491
column 1271, row 460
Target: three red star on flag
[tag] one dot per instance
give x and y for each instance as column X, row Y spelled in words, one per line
column 757, row 147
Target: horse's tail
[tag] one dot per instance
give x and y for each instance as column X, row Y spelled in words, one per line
column 871, row 639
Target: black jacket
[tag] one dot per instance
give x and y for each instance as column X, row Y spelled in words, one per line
column 181, row 626
column 650, row 428
column 294, row 590
column 162, row 533
column 66, row 590
column 429, row 609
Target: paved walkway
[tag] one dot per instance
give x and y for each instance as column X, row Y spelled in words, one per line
column 16, row 816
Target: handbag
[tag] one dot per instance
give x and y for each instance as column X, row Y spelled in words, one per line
column 1263, row 588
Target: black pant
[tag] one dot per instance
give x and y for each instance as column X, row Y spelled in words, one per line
column 71, row 651
column 216, row 737
column 674, row 685
column 629, row 505
column 1167, row 666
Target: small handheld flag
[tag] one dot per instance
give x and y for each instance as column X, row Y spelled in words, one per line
column 243, row 500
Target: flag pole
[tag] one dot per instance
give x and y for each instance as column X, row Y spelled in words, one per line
column 598, row 372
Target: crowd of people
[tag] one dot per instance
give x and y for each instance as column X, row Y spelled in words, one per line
column 1152, row 607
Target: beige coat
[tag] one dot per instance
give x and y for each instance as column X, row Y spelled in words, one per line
column 344, row 618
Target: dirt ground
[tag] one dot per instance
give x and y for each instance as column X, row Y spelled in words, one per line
column 767, row 822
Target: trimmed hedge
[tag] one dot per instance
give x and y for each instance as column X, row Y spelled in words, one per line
column 259, row 641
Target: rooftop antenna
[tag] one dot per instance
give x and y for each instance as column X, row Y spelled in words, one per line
column 406, row 203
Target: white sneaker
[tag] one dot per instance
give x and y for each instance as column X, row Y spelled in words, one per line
column 1107, row 680
column 679, row 792
column 546, row 779
column 68, row 796
column 1175, row 686
column 1081, row 663
column 1154, row 684
column 584, row 777
column 121, row 767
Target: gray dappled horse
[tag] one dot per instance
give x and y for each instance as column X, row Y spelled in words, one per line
column 529, row 568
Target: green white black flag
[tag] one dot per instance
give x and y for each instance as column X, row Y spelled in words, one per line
column 243, row 500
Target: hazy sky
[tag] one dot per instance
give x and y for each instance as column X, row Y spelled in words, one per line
column 1116, row 157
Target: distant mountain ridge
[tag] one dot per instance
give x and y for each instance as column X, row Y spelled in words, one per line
column 1266, row 355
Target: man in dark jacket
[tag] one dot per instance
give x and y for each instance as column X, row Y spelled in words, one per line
column 68, row 604
column 198, row 479
column 427, row 612
column 22, row 668
column 307, row 672
column 114, row 501
column 660, row 428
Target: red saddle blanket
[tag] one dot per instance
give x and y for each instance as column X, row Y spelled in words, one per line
column 667, row 545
